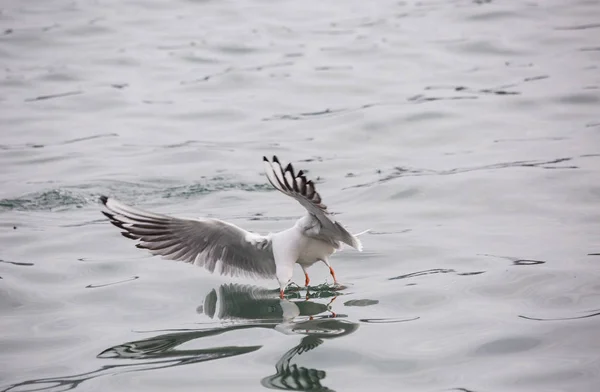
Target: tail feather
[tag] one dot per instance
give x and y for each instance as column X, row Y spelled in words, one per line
column 356, row 243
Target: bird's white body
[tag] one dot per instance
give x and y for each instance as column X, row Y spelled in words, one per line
column 293, row 246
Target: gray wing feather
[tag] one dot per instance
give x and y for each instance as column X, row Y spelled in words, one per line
column 203, row 242
column 297, row 186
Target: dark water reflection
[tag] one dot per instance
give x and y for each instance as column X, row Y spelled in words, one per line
column 264, row 310
column 248, row 307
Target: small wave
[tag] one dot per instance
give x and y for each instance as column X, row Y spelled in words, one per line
column 516, row 260
column 188, row 191
column 54, row 199
column 388, row 320
column 65, row 198
column 592, row 313
column 361, row 302
column 95, row 286
column 16, row 263
column 51, row 96
column 397, row 172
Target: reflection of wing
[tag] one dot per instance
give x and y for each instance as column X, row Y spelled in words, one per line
column 245, row 302
column 291, row 377
column 297, row 186
column 242, row 302
column 165, row 346
column 308, row 343
column 203, row 242
column 158, row 352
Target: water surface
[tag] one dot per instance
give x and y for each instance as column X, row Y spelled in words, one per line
column 465, row 134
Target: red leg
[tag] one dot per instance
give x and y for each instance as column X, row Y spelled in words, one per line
column 306, row 279
column 281, row 294
column 333, row 274
column 333, row 314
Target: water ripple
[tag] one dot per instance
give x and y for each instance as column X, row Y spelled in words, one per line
column 52, row 96
column 593, row 313
column 388, row 320
column 61, row 199
column 517, row 261
column 398, row 172
column 17, row 263
column 94, row 286
column 56, row 199
column 435, row 271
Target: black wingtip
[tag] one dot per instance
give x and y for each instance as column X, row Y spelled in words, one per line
column 103, row 199
column 265, row 159
column 118, row 224
column 108, row 215
column 275, row 160
column 129, row 235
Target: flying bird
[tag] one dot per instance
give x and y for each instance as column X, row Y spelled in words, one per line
column 231, row 250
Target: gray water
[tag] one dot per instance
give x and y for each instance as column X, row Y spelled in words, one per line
column 465, row 134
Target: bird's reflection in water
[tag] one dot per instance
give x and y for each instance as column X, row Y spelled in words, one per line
column 244, row 307
column 298, row 317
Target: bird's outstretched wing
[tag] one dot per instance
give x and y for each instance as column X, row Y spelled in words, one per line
column 297, row 186
column 202, row 242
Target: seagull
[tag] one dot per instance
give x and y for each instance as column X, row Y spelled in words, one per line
column 212, row 243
